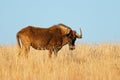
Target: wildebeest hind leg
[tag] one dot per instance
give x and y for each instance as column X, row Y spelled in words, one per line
column 19, row 52
column 27, row 49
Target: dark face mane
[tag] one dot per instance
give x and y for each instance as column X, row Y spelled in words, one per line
column 71, row 40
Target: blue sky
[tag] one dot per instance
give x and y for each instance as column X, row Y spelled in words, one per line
column 99, row 19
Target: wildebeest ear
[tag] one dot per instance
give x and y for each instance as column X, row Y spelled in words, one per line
column 64, row 30
column 67, row 31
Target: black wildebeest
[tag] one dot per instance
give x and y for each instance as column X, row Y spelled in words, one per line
column 52, row 38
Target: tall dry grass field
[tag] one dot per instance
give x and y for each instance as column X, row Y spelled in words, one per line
column 86, row 62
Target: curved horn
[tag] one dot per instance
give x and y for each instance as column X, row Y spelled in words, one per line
column 79, row 36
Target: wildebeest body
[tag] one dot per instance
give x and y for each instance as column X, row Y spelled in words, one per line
column 52, row 39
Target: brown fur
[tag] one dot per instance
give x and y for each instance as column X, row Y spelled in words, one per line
column 52, row 39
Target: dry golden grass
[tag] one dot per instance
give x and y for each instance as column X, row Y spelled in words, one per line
column 86, row 62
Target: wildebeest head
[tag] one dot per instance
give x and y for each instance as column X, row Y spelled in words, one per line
column 72, row 38
column 70, row 35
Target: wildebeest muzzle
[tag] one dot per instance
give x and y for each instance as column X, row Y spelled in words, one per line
column 71, row 47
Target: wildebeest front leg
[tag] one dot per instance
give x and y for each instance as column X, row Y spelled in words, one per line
column 56, row 50
column 50, row 53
